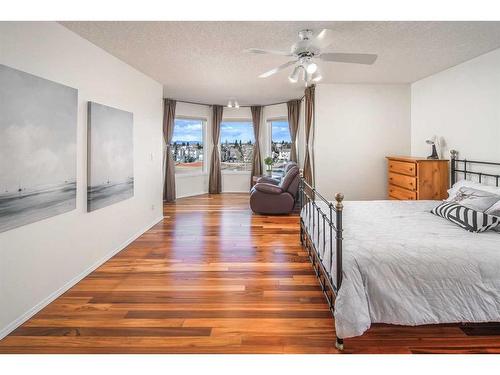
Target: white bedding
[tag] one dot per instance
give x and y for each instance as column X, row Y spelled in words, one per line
column 404, row 265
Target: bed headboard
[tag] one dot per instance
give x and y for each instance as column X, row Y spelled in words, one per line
column 464, row 167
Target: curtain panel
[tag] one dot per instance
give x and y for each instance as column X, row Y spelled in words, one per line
column 168, row 132
column 256, row 162
column 309, row 118
column 293, row 107
column 215, row 178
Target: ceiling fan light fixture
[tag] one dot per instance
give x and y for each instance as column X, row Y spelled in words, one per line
column 294, row 77
column 236, row 104
column 229, row 104
column 310, row 48
column 316, row 77
column 311, row 67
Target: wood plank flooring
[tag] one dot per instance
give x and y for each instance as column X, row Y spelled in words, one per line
column 214, row 278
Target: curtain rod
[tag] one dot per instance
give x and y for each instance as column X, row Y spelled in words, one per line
column 241, row 106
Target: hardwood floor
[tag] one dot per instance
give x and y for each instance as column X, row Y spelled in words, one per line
column 214, row 278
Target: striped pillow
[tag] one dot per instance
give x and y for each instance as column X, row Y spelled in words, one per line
column 467, row 218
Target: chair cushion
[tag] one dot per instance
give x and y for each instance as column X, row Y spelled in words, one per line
column 289, row 165
column 269, row 180
column 289, row 177
column 268, row 188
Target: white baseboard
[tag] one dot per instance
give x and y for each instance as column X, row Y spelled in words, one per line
column 39, row 306
column 206, row 192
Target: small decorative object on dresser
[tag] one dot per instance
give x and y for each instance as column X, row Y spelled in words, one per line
column 412, row 178
column 434, row 154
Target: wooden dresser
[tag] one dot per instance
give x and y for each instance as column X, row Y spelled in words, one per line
column 411, row 178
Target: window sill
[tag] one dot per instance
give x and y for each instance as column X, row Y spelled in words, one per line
column 198, row 174
column 248, row 173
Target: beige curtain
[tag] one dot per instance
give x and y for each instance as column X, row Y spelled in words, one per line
column 256, row 163
column 293, row 107
column 215, row 178
column 309, row 118
column 168, row 132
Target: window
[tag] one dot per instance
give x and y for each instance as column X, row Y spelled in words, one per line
column 187, row 145
column 281, row 143
column 236, row 145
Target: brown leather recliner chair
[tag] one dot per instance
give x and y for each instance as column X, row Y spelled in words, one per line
column 271, row 199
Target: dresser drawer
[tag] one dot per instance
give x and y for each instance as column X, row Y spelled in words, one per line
column 401, row 180
column 403, row 167
column 396, row 192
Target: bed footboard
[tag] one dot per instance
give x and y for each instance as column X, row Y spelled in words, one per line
column 315, row 221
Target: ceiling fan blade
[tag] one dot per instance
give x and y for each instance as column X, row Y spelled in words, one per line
column 267, row 51
column 323, row 39
column 355, row 58
column 277, row 69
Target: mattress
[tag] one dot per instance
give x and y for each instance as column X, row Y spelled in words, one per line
column 403, row 265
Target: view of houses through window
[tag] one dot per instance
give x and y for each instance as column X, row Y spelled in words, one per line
column 236, row 145
column 281, row 143
column 187, row 145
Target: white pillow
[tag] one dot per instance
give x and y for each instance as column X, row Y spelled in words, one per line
column 472, row 184
column 476, row 199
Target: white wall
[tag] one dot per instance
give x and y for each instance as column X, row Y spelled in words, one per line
column 356, row 126
column 40, row 260
column 461, row 105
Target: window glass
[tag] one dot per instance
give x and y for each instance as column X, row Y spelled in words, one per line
column 236, row 140
column 187, row 145
column 281, row 144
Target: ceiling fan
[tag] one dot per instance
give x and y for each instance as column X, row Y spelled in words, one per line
column 306, row 50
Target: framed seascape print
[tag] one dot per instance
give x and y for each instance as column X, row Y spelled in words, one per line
column 110, row 156
column 38, row 120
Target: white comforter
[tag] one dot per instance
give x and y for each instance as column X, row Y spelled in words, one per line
column 404, row 265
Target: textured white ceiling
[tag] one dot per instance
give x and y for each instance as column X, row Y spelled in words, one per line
column 204, row 62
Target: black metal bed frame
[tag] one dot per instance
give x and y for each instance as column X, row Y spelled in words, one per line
column 309, row 198
column 455, row 168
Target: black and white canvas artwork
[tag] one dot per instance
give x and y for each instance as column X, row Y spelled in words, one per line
column 38, row 120
column 110, row 156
